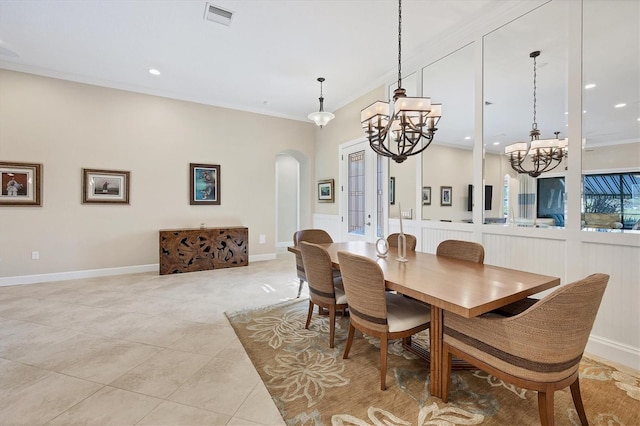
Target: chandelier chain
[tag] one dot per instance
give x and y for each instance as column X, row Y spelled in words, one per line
column 535, row 124
column 399, row 43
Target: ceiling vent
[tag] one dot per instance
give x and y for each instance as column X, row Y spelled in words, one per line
column 218, row 14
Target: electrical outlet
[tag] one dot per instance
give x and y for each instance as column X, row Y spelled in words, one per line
column 263, row 238
column 35, row 255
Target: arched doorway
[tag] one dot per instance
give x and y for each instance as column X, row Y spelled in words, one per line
column 292, row 195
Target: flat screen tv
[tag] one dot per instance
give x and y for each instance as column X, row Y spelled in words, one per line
column 488, row 193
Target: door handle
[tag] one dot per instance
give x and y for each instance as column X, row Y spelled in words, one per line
column 368, row 223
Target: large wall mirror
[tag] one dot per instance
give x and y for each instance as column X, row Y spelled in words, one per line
column 611, row 119
column 447, row 165
column 508, row 86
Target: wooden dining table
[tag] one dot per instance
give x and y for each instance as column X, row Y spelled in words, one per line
column 464, row 288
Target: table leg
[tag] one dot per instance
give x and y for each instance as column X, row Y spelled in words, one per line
column 435, row 337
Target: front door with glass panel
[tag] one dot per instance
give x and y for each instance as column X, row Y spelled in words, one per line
column 361, row 193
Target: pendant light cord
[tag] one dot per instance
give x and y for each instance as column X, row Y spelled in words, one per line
column 399, row 43
column 534, row 125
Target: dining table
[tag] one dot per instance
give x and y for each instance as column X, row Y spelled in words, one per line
column 460, row 287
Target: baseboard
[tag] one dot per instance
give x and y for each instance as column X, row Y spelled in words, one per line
column 92, row 273
column 614, row 351
column 74, row 275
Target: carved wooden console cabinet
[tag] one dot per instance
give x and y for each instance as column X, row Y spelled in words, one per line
column 201, row 249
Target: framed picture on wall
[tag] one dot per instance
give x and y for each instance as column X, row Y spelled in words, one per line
column 21, row 184
column 325, row 191
column 105, row 186
column 204, row 184
column 392, row 190
column 445, row 195
column 426, row 195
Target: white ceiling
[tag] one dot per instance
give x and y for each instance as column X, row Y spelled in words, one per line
column 267, row 61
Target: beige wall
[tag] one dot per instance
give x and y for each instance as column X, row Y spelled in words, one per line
column 614, row 157
column 344, row 128
column 69, row 126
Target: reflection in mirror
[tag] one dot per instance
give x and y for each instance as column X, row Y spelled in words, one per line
column 509, row 113
column 405, row 172
column 448, row 162
column 611, row 119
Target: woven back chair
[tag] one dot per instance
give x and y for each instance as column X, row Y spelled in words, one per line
column 539, row 349
column 375, row 312
column 316, row 236
column 392, row 241
column 325, row 291
column 463, row 250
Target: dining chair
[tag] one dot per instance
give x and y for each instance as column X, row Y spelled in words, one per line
column 392, row 241
column 539, row 349
column 463, row 250
column 375, row 312
column 316, row 236
column 325, row 291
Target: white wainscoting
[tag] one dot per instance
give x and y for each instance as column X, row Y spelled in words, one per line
column 330, row 223
column 617, row 325
column 570, row 255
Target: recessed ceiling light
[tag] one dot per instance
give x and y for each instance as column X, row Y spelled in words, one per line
column 584, row 111
column 466, row 138
column 589, row 86
column 620, row 105
column 496, row 143
column 566, row 113
column 154, row 71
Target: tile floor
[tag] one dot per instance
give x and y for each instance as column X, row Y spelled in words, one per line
column 138, row 349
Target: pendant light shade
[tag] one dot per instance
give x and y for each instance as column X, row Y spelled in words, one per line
column 321, row 118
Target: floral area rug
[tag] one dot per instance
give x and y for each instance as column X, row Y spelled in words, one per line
column 312, row 384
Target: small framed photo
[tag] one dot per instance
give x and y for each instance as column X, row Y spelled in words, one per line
column 21, row 184
column 204, row 184
column 105, row 186
column 392, row 190
column 445, row 195
column 325, row 191
column 426, row 195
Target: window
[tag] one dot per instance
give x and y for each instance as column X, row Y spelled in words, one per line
column 356, row 190
column 551, row 199
column 613, row 193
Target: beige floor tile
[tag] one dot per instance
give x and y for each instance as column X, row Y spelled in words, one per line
column 23, row 339
column 14, row 376
column 171, row 414
column 259, row 408
column 206, row 339
column 95, row 358
column 160, row 331
column 161, row 374
column 42, row 400
column 61, row 342
column 108, row 406
column 221, row 386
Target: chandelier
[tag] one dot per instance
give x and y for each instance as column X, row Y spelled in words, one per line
column 410, row 123
column 543, row 154
column 321, row 118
